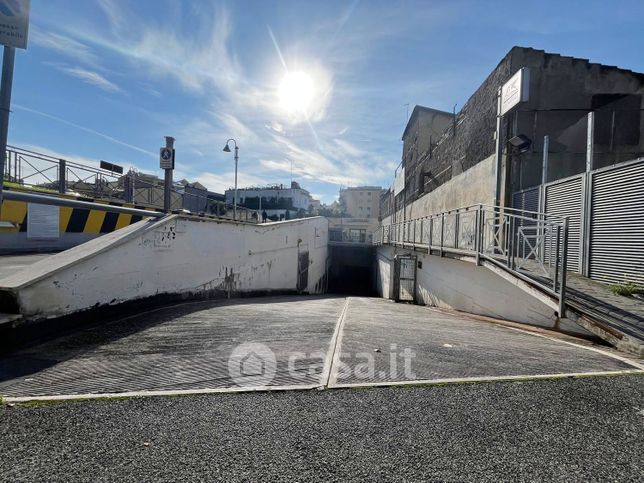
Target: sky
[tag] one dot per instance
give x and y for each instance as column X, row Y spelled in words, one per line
column 314, row 91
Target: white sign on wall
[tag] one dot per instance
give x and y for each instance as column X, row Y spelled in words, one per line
column 516, row 90
column 43, row 222
column 14, row 23
column 399, row 182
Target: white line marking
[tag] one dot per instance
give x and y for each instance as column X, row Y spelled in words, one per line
column 580, row 346
column 504, row 324
column 459, row 380
column 185, row 392
column 330, row 360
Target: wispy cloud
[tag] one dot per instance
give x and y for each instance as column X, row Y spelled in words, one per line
column 85, row 129
column 92, row 78
column 63, row 45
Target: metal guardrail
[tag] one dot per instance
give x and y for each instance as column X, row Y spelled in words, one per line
column 48, row 174
column 532, row 246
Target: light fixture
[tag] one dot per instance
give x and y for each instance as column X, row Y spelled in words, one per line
column 521, row 142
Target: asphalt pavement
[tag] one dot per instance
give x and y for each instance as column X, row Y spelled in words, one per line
column 566, row 430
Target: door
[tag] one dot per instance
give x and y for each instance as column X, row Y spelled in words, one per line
column 302, row 271
column 405, row 272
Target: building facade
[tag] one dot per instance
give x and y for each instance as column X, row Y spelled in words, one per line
column 562, row 92
column 279, row 202
column 361, row 201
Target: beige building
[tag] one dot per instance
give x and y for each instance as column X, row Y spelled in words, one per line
column 361, row 201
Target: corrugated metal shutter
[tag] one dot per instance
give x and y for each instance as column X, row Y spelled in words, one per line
column 617, row 225
column 564, row 198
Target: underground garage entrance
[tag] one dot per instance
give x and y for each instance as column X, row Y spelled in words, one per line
column 351, row 270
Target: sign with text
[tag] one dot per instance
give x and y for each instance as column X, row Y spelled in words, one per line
column 516, row 90
column 166, row 158
column 14, row 23
column 399, row 182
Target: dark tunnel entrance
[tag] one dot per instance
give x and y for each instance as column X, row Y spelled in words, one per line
column 351, row 270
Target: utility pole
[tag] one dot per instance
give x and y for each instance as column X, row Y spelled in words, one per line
column 166, row 162
column 14, row 29
column 8, row 60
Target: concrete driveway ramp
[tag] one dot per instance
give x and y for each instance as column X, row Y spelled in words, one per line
column 383, row 342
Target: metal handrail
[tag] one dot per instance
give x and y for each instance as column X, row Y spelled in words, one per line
column 496, row 234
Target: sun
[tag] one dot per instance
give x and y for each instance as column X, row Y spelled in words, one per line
column 296, row 92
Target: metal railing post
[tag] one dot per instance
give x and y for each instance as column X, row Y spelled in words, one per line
column 555, row 279
column 457, row 220
column 431, row 235
column 477, row 235
column 509, row 239
column 442, row 233
column 414, row 242
column 564, row 260
column 62, row 176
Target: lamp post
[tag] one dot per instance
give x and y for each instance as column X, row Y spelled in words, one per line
column 227, row 150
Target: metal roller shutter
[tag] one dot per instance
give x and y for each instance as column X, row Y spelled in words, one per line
column 617, row 225
column 564, row 198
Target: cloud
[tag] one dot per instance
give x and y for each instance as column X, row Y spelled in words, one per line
column 220, row 182
column 63, row 45
column 85, row 129
column 92, row 78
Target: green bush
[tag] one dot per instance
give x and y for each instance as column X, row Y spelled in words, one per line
column 627, row 289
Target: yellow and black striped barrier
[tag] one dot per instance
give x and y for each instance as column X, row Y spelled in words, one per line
column 72, row 219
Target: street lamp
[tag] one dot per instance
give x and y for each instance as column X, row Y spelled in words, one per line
column 227, row 150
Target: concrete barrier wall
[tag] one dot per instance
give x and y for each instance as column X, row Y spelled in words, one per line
column 75, row 226
column 461, row 285
column 174, row 255
column 471, row 187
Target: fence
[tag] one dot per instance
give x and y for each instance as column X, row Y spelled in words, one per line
column 606, row 211
column 49, row 175
column 531, row 245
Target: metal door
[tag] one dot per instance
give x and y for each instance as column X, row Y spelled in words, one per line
column 302, row 271
column 405, row 269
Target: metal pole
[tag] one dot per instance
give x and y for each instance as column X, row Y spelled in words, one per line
column 589, row 141
column 477, row 235
column 62, row 176
column 544, row 166
column 555, row 280
column 235, row 200
column 167, row 184
column 564, row 260
column 5, row 108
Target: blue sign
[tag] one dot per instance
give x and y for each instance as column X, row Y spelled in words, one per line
column 166, row 158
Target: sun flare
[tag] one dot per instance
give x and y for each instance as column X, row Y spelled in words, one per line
column 296, row 92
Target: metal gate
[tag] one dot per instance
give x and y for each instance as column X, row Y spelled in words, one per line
column 302, row 271
column 527, row 200
column 617, row 224
column 405, row 273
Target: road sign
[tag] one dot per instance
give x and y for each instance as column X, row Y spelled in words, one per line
column 166, row 158
column 115, row 168
column 14, row 23
column 516, row 90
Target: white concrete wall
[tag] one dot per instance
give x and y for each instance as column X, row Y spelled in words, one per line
column 461, row 285
column 178, row 255
column 471, row 187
